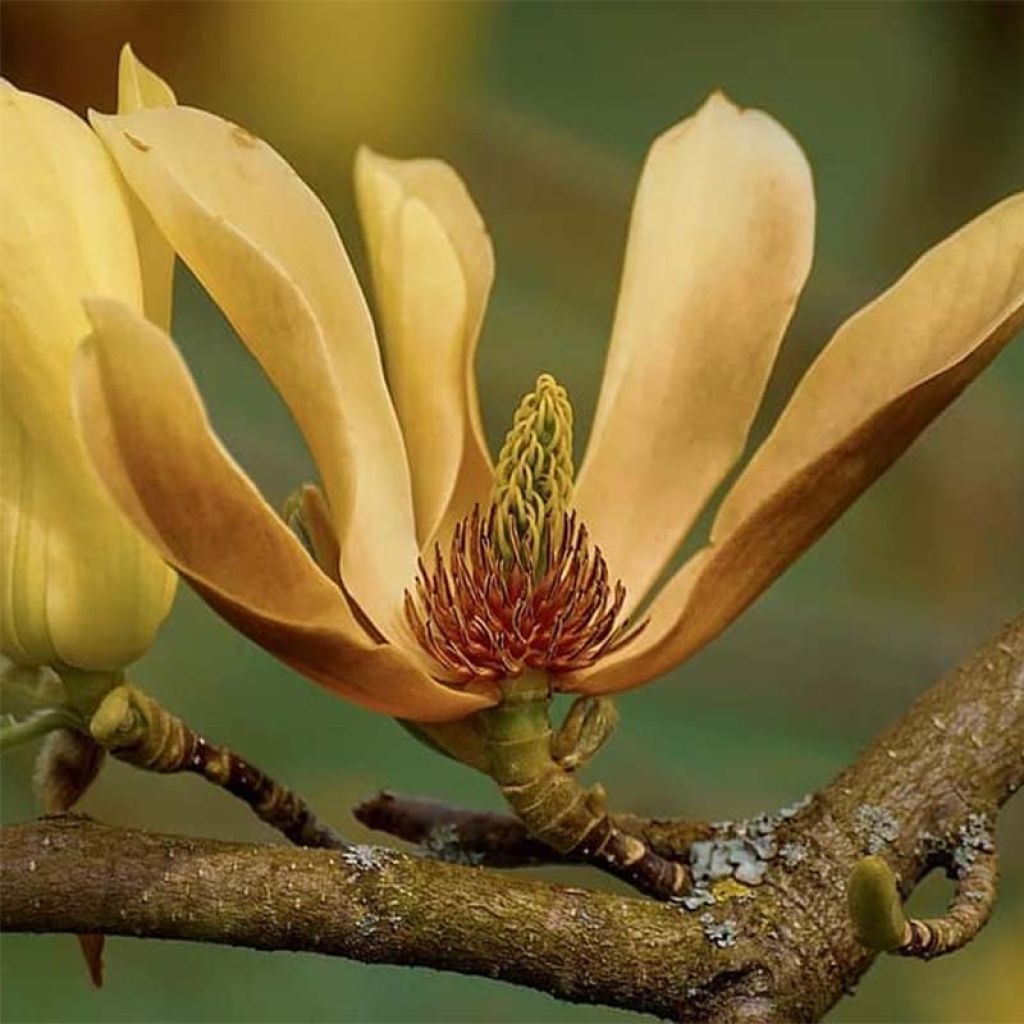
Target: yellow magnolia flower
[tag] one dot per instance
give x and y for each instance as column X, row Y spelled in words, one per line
column 719, row 248
column 79, row 587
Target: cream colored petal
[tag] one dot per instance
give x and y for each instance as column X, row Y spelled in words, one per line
column 432, row 269
column 65, row 231
column 719, row 247
column 318, row 526
column 315, row 519
column 139, row 88
column 268, row 253
column 152, row 445
column 887, row 372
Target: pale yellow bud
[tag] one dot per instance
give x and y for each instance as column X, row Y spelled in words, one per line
column 79, row 586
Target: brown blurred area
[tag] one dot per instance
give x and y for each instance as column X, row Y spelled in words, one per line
column 317, row 77
column 67, row 50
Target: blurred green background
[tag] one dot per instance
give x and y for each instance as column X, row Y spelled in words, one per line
column 911, row 117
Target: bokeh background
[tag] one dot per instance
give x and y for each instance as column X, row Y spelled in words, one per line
column 911, row 117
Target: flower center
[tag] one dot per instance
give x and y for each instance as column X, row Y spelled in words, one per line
column 521, row 587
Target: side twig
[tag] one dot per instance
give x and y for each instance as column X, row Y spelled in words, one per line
column 136, row 729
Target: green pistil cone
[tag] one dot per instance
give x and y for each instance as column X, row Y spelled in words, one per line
column 533, row 478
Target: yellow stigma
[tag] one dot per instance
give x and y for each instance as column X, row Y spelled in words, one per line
column 533, row 478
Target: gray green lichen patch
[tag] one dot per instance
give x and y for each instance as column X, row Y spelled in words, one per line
column 877, row 827
column 793, row 854
column 719, row 933
column 793, row 809
column 742, row 858
column 699, row 896
column 742, row 851
column 367, row 858
column 443, row 842
column 973, row 838
column 960, row 847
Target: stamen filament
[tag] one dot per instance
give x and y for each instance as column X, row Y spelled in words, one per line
column 483, row 618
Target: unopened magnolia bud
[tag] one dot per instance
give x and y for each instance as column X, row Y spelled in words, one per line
column 79, row 586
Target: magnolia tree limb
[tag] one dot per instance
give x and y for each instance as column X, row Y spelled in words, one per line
column 925, row 791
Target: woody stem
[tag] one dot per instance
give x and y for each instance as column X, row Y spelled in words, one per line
column 553, row 805
column 136, row 729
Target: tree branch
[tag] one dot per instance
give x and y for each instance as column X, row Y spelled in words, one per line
column 782, row 949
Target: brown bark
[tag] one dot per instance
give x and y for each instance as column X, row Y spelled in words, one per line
column 782, row 950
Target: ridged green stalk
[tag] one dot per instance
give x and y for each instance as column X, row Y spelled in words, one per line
column 534, row 778
column 550, row 801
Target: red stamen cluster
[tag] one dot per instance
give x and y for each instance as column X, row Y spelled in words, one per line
column 483, row 615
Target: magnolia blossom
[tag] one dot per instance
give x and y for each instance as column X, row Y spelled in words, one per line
column 79, row 587
column 719, row 248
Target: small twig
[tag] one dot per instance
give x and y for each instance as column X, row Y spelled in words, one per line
column 534, row 768
column 969, row 911
column 136, row 729
column 501, row 840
